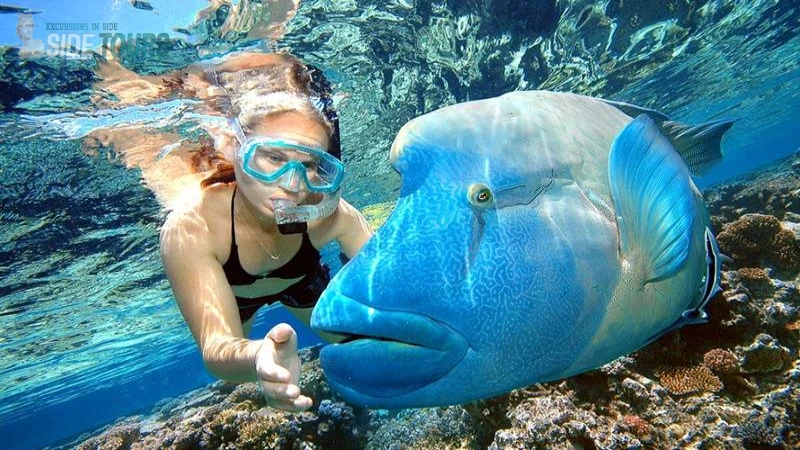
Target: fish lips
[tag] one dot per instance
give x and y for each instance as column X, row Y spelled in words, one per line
column 386, row 353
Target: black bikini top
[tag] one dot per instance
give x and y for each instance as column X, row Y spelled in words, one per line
column 304, row 262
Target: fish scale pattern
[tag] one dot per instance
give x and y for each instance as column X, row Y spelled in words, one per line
column 503, row 277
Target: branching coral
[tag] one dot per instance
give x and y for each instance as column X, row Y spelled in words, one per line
column 753, row 274
column 262, row 431
column 689, row 380
column 117, row 438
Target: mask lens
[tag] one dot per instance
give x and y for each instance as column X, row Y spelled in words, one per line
column 268, row 160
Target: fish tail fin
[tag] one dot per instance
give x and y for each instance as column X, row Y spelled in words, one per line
column 654, row 196
column 698, row 145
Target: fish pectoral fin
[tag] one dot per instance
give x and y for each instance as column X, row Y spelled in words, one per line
column 697, row 313
column 654, row 197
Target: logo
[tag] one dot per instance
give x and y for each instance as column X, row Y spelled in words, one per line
column 31, row 47
column 76, row 40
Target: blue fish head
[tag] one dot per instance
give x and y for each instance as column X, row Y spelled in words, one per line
column 451, row 300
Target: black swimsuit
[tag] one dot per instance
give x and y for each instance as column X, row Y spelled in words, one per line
column 303, row 294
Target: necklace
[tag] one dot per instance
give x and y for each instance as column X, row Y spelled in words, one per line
column 267, row 249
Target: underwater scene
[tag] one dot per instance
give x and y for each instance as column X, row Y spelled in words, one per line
column 566, row 224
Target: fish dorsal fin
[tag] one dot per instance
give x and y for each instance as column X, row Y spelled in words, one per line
column 698, row 145
column 634, row 111
column 654, row 197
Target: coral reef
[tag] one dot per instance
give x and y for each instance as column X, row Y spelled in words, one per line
column 764, row 355
column 772, row 191
column 426, row 429
column 733, row 383
column 229, row 416
column 757, row 239
column 635, row 424
column 757, row 281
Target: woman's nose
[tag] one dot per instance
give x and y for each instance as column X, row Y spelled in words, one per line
column 291, row 181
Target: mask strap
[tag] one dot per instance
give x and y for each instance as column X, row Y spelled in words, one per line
column 237, row 128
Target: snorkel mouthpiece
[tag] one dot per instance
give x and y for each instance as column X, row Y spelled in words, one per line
column 289, row 222
column 293, row 228
column 292, row 218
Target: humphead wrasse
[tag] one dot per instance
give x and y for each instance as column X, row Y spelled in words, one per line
column 537, row 235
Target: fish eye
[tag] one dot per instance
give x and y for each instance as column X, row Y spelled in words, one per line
column 480, row 195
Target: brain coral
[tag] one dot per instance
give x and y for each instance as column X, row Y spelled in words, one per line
column 721, row 361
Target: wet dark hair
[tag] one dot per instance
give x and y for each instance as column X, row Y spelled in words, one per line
column 321, row 87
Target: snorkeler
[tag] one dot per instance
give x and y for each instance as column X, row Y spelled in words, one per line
column 252, row 238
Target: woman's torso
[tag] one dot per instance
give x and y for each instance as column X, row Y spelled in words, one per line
column 261, row 266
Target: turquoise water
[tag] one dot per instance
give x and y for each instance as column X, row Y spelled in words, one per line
column 90, row 331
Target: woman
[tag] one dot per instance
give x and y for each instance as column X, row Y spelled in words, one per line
column 252, row 238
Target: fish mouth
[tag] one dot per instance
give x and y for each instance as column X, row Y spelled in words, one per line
column 384, row 353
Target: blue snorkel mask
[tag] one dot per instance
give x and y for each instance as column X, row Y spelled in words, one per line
column 291, row 165
column 294, row 167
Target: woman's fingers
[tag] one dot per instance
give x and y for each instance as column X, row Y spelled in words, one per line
column 299, row 404
column 284, row 344
column 283, row 333
column 280, row 391
column 273, row 373
column 285, row 396
column 278, row 369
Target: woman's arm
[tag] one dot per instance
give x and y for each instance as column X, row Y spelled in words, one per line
column 205, row 298
column 209, row 307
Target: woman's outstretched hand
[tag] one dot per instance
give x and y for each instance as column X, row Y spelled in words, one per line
column 278, row 370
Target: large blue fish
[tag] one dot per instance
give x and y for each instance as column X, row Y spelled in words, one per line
column 537, row 235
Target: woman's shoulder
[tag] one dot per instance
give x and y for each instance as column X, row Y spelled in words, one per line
column 348, row 227
column 216, row 199
column 346, row 212
column 202, row 220
column 251, row 60
column 343, row 218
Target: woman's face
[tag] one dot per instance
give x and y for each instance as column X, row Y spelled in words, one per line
column 291, row 126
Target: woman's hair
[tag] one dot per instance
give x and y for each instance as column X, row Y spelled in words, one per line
column 273, row 84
